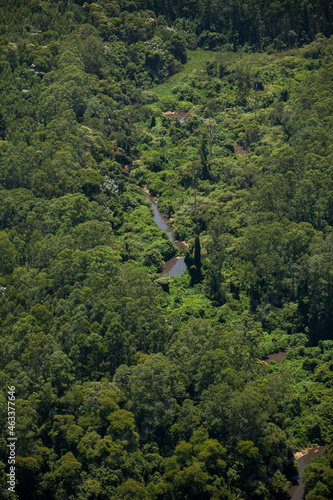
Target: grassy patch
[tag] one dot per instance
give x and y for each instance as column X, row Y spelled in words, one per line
column 196, row 60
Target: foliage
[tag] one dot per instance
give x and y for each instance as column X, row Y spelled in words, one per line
column 129, row 385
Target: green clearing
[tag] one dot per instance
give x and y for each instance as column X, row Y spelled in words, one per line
column 197, row 60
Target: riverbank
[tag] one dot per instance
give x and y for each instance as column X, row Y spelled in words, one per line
column 303, row 458
column 175, row 265
column 301, row 453
column 165, row 218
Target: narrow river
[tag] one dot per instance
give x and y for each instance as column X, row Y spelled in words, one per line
column 176, row 265
column 296, row 492
column 303, row 457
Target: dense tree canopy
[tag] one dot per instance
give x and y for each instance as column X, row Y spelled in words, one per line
column 130, row 385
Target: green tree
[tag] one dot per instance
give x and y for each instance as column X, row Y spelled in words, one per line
column 8, row 254
column 65, row 433
column 156, row 388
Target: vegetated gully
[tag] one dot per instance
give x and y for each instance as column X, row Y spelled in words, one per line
column 302, row 457
column 176, row 265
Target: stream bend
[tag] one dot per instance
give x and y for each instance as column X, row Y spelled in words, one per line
column 175, row 265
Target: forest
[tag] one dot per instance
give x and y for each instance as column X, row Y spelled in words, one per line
column 125, row 384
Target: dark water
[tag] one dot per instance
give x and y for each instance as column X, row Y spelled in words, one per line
column 276, row 356
column 160, row 221
column 176, row 265
column 296, row 492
